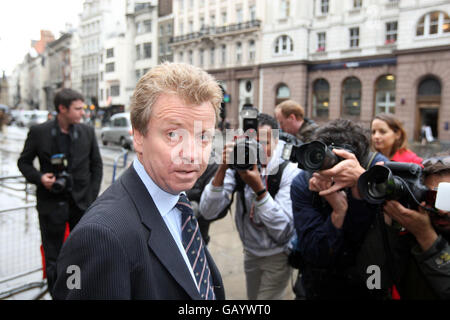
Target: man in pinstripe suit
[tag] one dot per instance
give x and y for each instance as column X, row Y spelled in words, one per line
column 129, row 245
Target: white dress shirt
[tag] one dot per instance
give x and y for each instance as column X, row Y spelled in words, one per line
column 165, row 203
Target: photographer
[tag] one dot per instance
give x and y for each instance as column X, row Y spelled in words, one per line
column 70, row 172
column 424, row 265
column 330, row 218
column 263, row 214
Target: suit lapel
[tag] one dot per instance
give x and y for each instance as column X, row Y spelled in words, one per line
column 160, row 239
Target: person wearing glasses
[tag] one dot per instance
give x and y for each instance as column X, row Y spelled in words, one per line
column 389, row 138
column 425, row 268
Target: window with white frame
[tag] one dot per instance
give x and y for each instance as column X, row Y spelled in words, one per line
column 284, row 9
column 324, row 7
column 138, row 52
column 109, row 67
column 391, row 32
column 191, row 57
column 239, row 15
column 433, row 23
column 212, row 56
column 354, row 37
column 202, row 57
column 224, row 17
column 147, row 50
column 385, row 94
column 252, row 10
column 181, row 56
column 283, row 45
column 251, row 51
column 238, row 52
column 147, row 26
column 321, row 41
column 191, row 26
column 223, row 54
column 357, row 4
column 181, row 27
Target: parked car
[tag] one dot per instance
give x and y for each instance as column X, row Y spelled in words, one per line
column 118, row 130
column 24, row 118
column 39, row 116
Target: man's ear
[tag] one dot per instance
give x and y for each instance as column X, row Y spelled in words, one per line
column 138, row 141
column 62, row 108
column 292, row 117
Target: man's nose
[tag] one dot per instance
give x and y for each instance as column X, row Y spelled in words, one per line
column 191, row 151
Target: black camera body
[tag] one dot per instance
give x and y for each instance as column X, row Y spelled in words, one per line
column 247, row 150
column 393, row 181
column 63, row 182
column 315, row 155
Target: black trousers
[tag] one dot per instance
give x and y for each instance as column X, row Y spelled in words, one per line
column 53, row 226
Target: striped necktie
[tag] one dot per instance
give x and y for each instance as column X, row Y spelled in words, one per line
column 194, row 246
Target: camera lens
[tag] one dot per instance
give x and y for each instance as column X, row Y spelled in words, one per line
column 315, row 157
column 377, row 190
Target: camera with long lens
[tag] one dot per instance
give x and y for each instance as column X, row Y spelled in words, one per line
column 63, row 182
column 247, row 150
column 394, row 181
column 314, row 156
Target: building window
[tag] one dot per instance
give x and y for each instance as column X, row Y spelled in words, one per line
column 212, row 56
column 324, row 7
column 138, row 52
column 251, row 51
column 238, row 52
column 115, row 91
column 351, row 97
column 181, row 57
column 385, row 95
column 354, row 37
column 252, row 10
column 147, row 50
column 191, row 57
column 224, row 17
column 110, row 53
column 284, row 9
column 283, row 45
column 391, row 32
column 202, row 57
column 436, row 22
column 239, row 15
column 321, row 41
column 138, row 74
column 147, row 26
column 283, row 94
column 109, row 67
column 223, row 54
column 357, row 4
column 321, row 98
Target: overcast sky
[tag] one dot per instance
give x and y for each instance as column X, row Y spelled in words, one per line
column 22, row 20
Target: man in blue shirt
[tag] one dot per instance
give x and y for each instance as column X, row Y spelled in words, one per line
column 331, row 219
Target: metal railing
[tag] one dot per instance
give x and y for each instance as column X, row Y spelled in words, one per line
column 20, row 242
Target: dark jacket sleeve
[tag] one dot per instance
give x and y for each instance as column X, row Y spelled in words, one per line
column 96, row 167
column 435, row 266
column 102, row 265
column 26, row 158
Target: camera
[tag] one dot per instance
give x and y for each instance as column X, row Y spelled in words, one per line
column 394, row 181
column 247, row 150
column 63, row 180
column 313, row 156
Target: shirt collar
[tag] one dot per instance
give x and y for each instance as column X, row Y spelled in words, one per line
column 163, row 200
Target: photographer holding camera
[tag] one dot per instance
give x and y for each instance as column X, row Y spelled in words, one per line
column 263, row 209
column 330, row 217
column 70, row 173
column 423, row 265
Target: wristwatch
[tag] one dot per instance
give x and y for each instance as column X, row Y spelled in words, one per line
column 260, row 192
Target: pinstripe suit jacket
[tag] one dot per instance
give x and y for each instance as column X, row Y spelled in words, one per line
column 123, row 250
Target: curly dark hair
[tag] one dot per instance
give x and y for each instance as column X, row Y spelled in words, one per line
column 345, row 132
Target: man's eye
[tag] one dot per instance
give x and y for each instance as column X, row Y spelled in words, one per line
column 173, row 135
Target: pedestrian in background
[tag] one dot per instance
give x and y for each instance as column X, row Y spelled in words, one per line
column 389, row 138
column 291, row 117
column 64, row 190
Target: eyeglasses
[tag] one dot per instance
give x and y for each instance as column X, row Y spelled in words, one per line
column 445, row 160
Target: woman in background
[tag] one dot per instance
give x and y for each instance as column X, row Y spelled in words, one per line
column 389, row 138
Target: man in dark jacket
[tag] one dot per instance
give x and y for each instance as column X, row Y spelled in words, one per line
column 424, row 271
column 291, row 117
column 332, row 220
column 56, row 140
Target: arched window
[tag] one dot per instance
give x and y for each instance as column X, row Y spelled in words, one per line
column 283, row 94
column 321, row 98
column 351, row 103
column 385, row 94
column 433, row 23
column 238, row 52
column 429, row 87
column 283, row 45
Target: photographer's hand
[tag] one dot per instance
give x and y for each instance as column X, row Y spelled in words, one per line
column 416, row 222
column 47, row 180
column 345, row 174
column 253, row 179
column 337, row 199
column 220, row 173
